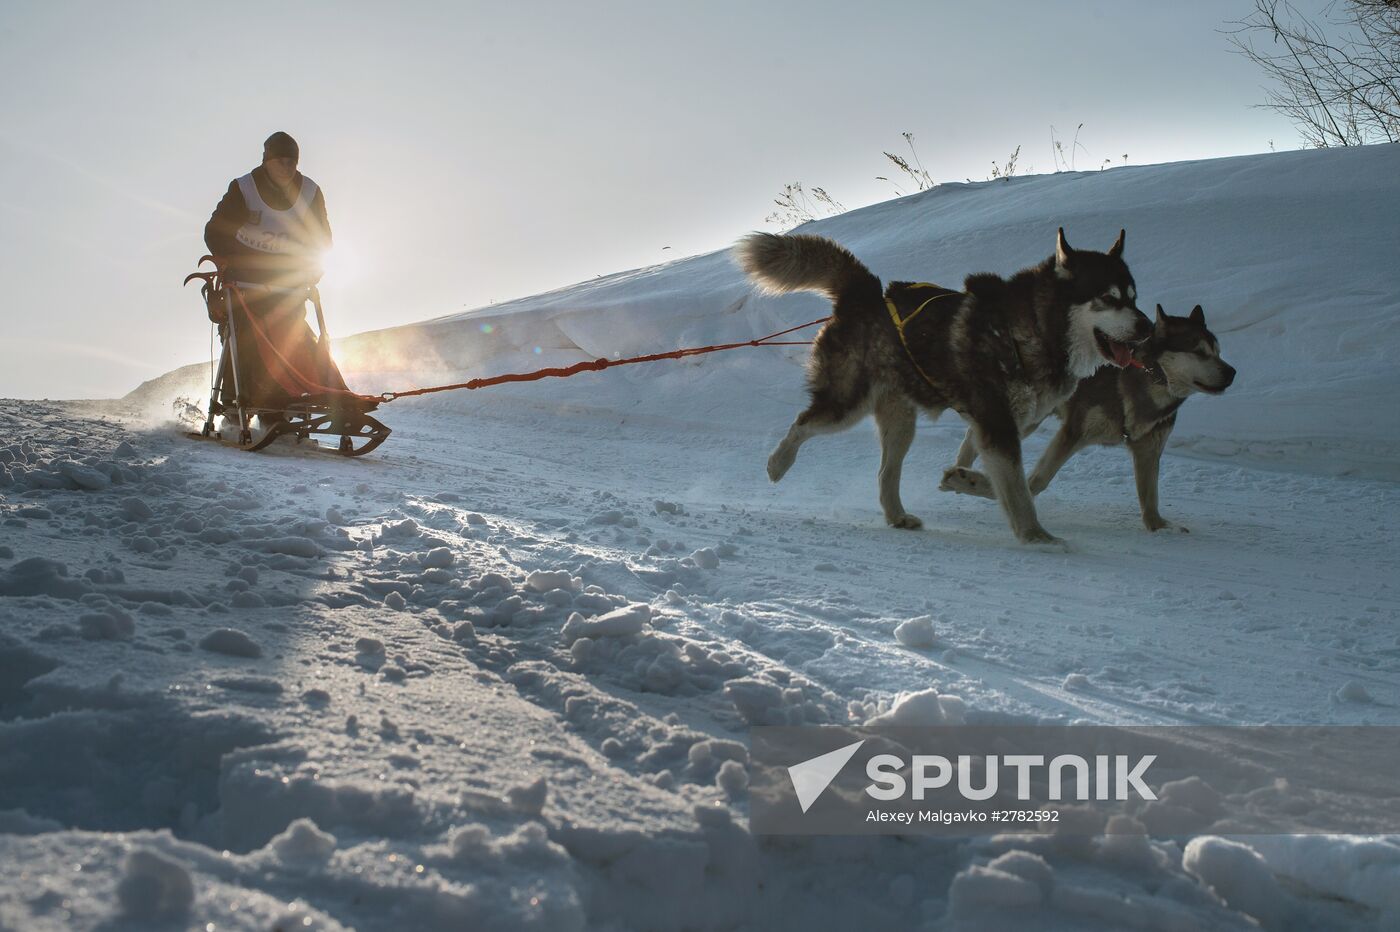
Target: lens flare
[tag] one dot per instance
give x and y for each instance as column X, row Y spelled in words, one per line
column 340, row 265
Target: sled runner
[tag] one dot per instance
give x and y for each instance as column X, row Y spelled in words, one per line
column 272, row 368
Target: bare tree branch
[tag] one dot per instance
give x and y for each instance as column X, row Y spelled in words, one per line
column 1340, row 85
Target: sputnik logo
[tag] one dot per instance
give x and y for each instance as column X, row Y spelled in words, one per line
column 811, row 777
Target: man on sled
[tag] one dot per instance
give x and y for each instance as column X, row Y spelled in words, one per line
column 267, row 237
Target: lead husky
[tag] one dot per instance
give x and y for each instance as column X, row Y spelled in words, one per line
column 1135, row 406
column 1003, row 353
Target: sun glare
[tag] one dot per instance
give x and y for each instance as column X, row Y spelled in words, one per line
column 340, row 264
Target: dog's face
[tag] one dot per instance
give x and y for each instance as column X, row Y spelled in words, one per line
column 1188, row 354
column 1104, row 321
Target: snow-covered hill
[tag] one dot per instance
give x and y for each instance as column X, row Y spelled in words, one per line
column 500, row 673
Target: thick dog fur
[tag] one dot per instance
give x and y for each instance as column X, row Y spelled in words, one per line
column 1131, row 406
column 1003, row 353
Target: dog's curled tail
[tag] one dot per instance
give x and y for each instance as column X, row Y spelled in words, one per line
column 801, row 262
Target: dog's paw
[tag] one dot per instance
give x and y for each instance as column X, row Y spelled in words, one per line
column 1158, row 523
column 1039, row 537
column 906, row 522
column 967, row 482
column 780, row 462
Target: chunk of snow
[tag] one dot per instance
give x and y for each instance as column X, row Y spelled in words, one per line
column 529, row 798
column 470, row 842
column 979, row 890
column 316, row 697
column 705, row 558
column 926, row 707
column 559, row 598
column 439, row 558
column 303, row 843
column 732, row 778
column 493, row 581
column 618, row 623
column 1239, row 876
column 291, row 546
column 545, row 580
column 85, row 477
column 110, row 625
column 916, row 633
column 591, row 603
column 1028, row 866
column 262, row 685
column 154, row 886
column 232, row 642
column 41, row 576
column 370, row 646
column 1360, row 869
column 757, row 701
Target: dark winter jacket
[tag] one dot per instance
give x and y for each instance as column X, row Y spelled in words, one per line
column 246, row 263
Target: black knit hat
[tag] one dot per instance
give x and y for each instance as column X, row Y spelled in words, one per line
column 280, row 146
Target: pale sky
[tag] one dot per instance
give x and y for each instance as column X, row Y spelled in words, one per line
column 474, row 152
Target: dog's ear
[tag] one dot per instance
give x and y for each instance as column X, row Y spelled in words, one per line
column 1064, row 255
column 1161, row 322
column 1116, row 250
column 1198, row 316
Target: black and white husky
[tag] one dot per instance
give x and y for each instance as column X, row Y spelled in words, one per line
column 1133, row 406
column 1003, row 353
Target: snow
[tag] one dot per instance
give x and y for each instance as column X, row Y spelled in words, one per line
column 303, row 843
column 154, row 887
column 1239, row 876
column 499, row 674
column 925, row 708
column 1360, row 870
column 979, row 890
column 615, row 624
column 231, row 641
column 916, row 633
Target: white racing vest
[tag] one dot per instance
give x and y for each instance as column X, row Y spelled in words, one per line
column 291, row 232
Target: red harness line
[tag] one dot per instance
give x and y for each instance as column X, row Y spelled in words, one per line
column 288, row 375
column 595, row 365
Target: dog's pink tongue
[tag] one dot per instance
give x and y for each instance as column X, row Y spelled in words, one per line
column 1122, row 355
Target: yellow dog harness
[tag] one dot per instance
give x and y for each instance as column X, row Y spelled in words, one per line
column 901, row 322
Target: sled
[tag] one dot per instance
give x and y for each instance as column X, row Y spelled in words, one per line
column 306, row 402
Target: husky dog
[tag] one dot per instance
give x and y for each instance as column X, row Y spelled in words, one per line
column 1003, row 353
column 1133, row 406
